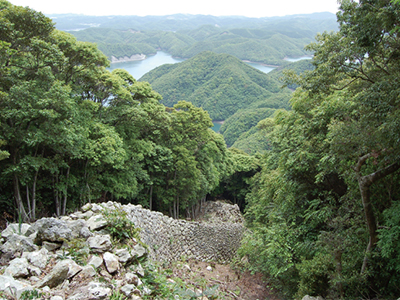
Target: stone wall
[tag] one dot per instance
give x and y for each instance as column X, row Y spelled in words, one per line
column 169, row 239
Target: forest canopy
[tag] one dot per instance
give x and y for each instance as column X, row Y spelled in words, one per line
column 74, row 132
column 324, row 209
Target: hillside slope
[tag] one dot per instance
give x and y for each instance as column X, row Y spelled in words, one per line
column 219, row 83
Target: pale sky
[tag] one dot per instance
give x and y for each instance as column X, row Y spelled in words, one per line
column 248, row 8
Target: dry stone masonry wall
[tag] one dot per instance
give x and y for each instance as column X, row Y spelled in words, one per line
column 65, row 257
column 169, row 239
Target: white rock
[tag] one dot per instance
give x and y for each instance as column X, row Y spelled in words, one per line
column 95, row 261
column 123, row 255
column 128, row 289
column 209, row 268
column 111, row 262
column 88, row 271
column 100, row 243
column 16, row 243
column 50, row 246
column 55, row 277
column 18, row 267
column 96, row 222
column 98, row 291
column 132, row 279
column 34, row 271
column 73, row 267
column 38, row 258
column 8, row 284
column 139, row 270
column 14, row 228
column 86, row 207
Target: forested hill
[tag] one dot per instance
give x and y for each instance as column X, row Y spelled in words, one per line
column 266, row 40
column 219, row 83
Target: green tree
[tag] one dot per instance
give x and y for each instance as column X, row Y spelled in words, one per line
column 361, row 60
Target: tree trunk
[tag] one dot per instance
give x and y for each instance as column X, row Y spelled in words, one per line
column 151, row 198
column 56, row 196
column 364, row 183
column 28, row 201
column 33, row 206
column 18, row 200
column 64, row 205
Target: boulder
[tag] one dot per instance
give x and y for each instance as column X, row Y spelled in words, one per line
column 86, row 207
column 96, row 222
column 76, row 227
column 73, row 267
column 123, row 255
column 100, row 243
column 95, row 261
column 111, row 262
column 128, row 290
column 13, row 287
column 92, row 291
column 17, row 242
column 52, row 230
column 85, row 232
column 14, row 228
column 55, row 277
column 88, row 271
column 132, row 279
column 37, row 258
column 18, row 267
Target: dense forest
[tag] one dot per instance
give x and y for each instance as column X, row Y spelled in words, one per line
column 322, row 200
column 73, row 132
column 265, row 40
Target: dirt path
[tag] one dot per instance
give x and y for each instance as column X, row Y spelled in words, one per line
column 232, row 284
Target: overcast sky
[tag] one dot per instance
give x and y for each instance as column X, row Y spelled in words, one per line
column 249, row 8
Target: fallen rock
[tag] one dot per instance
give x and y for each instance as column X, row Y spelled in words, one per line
column 73, row 267
column 128, row 290
column 14, row 228
column 307, row 297
column 96, row 222
column 92, row 291
column 76, row 227
column 37, row 258
column 99, row 243
column 18, row 268
column 88, row 271
column 52, row 229
column 85, row 232
column 95, row 261
column 55, row 277
column 17, row 242
column 13, row 287
column 132, row 279
column 123, row 255
column 111, row 262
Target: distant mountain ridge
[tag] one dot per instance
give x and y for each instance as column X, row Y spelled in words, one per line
column 72, row 22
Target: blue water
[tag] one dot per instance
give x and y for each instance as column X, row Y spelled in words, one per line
column 217, row 126
column 140, row 67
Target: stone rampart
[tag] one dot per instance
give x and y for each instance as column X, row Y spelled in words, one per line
column 169, row 239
